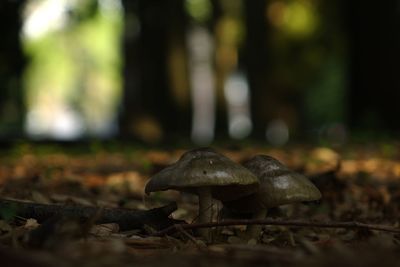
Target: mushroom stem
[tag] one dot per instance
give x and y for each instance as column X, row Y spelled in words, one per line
column 253, row 231
column 205, row 210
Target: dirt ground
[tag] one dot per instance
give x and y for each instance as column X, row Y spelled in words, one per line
column 358, row 183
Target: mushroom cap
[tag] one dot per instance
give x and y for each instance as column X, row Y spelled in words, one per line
column 204, row 167
column 278, row 186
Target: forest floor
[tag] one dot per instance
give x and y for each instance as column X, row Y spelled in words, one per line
column 359, row 183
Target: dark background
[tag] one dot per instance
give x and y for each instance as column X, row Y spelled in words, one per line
column 339, row 80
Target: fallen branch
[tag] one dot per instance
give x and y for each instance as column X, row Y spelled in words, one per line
column 127, row 219
column 294, row 223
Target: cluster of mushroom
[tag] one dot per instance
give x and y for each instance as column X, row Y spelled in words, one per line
column 261, row 183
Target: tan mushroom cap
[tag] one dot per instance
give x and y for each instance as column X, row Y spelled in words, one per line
column 278, row 186
column 205, row 168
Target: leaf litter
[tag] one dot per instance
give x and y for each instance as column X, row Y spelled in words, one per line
column 357, row 184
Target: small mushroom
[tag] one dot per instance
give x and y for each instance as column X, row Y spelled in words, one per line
column 207, row 174
column 278, row 186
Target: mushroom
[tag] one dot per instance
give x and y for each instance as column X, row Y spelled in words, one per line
column 278, row 186
column 207, row 174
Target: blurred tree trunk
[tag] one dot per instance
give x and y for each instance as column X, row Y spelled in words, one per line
column 373, row 32
column 255, row 57
column 147, row 94
column 177, row 67
column 12, row 62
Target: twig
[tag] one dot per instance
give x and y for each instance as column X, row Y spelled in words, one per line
column 191, row 238
column 181, row 230
column 295, row 223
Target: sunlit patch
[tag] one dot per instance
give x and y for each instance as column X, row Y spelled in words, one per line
column 44, row 16
column 296, row 18
column 58, row 121
column 72, row 80
column 199, row 10
column 237, row 96
column 110, row 7
column 322, row 159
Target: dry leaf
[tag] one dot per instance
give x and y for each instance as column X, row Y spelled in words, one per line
column 104, row 229
column 31, row 224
